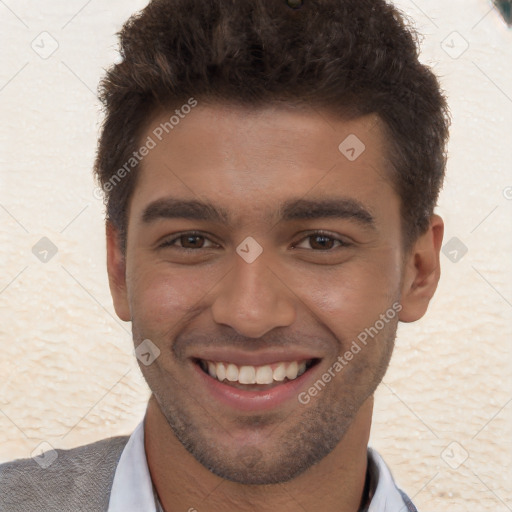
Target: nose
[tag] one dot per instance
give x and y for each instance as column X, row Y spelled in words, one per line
column 253, row 300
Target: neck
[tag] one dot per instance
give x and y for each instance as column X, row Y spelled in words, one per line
column 335, row 484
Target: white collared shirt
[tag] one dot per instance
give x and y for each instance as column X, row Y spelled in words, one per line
column 132, row 489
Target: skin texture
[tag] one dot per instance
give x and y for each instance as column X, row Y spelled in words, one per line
column 303, row 292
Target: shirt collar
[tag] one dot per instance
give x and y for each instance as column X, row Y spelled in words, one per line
column 132, row 489
column 386, row 496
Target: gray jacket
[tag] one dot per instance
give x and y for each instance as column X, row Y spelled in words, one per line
column 78, row 480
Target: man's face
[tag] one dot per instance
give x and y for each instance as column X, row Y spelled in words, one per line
column 330, row 266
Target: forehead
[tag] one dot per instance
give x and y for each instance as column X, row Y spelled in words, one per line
column 253, row 161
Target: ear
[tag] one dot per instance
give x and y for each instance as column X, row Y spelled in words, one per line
column 116, row 268
column 422, row 272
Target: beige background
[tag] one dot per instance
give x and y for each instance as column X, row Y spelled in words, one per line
column 443, row 418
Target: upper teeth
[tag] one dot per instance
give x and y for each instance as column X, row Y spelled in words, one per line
column 255, row 374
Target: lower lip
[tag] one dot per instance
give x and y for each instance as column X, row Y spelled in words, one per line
column 250, row 401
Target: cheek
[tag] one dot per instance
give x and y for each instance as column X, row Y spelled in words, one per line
column 160, row 298
column 352, row 297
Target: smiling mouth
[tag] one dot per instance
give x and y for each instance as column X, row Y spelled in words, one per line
column 256, row 378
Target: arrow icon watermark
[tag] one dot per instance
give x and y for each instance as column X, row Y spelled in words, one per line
column 455, row 249
column 249, row 250
column 147, row 352
column 352, row 147
column 44, row 250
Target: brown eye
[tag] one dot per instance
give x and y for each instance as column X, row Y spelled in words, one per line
column 192, row 241
column 189, row 241
column 321, row 242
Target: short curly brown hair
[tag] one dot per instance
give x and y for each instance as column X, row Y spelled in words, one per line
column 347, row 57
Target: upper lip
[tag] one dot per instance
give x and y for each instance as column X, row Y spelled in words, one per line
column 241, row 358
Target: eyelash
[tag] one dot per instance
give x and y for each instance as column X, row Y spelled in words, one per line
column 171, row 242
column 343, row 243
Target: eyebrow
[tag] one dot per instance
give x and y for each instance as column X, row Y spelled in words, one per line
column 295, row 209
column 337, row 208
column 170, row 208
